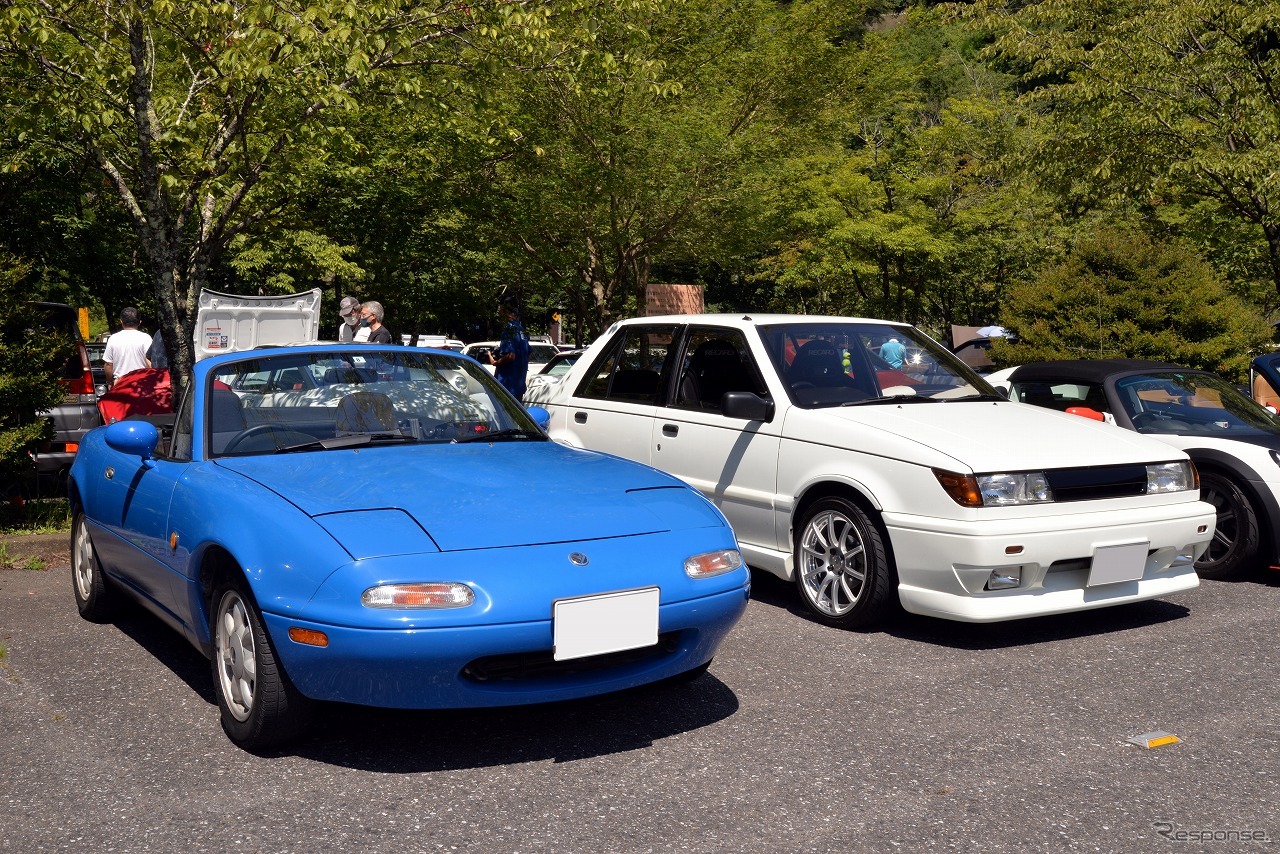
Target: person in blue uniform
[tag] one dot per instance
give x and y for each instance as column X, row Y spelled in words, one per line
column 511, row 358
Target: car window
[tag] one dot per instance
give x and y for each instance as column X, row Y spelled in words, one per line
column 716, row 361
column 1191, row 403
column 1060, row 395
column 180, row 446
column 542, row 352
column 632, row 367
column 842, row 363
column 270, row 404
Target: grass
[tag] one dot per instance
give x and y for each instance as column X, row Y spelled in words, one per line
column 43, row 516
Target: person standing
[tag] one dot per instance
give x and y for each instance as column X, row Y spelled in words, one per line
column 511, row 358
column 349, row 311
column 126, row 350
column 371, row 319
column 893, row 352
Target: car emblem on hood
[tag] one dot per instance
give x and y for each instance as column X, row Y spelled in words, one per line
column 578, row 559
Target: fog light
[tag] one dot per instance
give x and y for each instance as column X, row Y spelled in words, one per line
column 1004, row 579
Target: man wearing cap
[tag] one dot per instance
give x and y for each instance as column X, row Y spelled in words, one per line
column 511, row 358
column 349, row 311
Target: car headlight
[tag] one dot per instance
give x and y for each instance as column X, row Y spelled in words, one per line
column 432, row 594
column 996, row 490
column 1172, row 477
column 712, row 563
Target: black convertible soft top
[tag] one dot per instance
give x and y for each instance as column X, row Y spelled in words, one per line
column 1088, row 370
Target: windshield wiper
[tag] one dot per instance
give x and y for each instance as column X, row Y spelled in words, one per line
column 982, row 395
column 348, row 441
column 511, row 433
column 893, row 398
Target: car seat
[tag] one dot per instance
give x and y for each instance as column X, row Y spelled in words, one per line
column 365, row 412
column 715, row 367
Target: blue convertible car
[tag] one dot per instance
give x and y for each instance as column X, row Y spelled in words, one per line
column 361, row 524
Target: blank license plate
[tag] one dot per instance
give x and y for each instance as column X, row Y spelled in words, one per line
column 1118, row 563
column 609, row 622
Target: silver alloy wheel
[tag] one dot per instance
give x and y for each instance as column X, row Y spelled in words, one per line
column 237, row 655
column 833, row 563
column 82, row 561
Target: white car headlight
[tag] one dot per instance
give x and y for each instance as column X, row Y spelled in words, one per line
column 1172, row 477
column 996, row 490
column 712, row 563
column 431, row 594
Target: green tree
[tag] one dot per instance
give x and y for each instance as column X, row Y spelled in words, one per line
column 208, row 118
column 618, row 167
column 31, row 358
column 1161, row 100
column 1120, row 294
column 920, row 213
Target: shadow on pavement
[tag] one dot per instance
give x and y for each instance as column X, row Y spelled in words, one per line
column 408, row 741
column 771, row 590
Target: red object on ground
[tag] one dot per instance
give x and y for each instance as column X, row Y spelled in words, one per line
column 144, row 392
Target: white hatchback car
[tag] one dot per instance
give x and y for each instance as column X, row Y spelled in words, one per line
column 539, row 354
column 859, row 480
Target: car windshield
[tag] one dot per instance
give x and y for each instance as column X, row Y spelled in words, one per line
column 324, row 399
column 829, row 363
column 1193, row 404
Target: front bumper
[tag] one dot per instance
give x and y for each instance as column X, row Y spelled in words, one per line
column 429, row 668
column 942, row 572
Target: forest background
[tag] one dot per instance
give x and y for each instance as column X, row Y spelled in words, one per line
column 1100, row 178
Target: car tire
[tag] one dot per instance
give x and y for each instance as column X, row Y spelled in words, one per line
column 260, row 707
column 842, row 568
column 1235, row 536
column 94, row 596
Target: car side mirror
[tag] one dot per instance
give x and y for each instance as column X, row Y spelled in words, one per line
column 746, row 405
column 1002, row 391
column 541, row 416
column 134, row 437
column 1086, row 412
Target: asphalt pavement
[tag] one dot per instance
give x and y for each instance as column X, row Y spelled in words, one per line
column 928, row 736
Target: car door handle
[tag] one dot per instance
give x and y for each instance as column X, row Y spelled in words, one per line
column 580, row 417
column 670, row 430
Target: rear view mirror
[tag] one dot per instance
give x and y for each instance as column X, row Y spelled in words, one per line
column 138, row 438
column 746, row 405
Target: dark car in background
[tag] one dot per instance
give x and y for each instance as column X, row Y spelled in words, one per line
column 77, row 414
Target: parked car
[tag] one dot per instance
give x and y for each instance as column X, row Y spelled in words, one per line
column 863, row 482
column 539, row 354
column 284, row 532
column 1234, row 441
column 540, row 383
column 77, row 414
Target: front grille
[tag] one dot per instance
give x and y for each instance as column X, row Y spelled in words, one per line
column 525, row 666
column 1092, row 484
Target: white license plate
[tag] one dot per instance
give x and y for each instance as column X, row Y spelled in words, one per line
column 1118, row 563
column 609, row 622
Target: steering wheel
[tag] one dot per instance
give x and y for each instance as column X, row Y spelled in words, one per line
column 280, row 437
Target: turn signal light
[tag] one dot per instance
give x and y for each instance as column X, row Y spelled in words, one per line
column 310, row 637
column 431, row 594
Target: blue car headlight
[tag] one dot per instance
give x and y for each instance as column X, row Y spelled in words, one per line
column 429, row 594
column 710, row 564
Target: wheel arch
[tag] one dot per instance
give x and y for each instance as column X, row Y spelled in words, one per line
column 819, row 490
column 1210, row 460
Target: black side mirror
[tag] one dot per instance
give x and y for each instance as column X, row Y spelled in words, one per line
column 746, row 405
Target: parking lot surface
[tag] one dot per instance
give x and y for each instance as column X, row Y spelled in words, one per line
column 927, row 736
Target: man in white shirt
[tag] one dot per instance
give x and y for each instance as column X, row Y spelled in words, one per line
column 126, row 350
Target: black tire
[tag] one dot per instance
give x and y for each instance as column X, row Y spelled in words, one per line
column 259, row 705
column 94, row 595
column 842, row 568
column 1235, row 537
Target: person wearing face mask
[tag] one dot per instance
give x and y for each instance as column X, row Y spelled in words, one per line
column 371, row 322
column 349, row 311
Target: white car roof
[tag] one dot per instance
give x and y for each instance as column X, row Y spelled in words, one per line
column 743, row 320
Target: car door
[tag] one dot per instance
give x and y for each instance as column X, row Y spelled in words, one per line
column 130, row 501
column 1264, row 380
column 731, row 460
column 613, row 406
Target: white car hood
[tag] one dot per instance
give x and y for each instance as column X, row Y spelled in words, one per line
column 984, row 436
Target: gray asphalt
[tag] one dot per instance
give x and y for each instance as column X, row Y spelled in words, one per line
column 928, row 736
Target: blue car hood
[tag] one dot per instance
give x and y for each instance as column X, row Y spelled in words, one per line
column 474, row 496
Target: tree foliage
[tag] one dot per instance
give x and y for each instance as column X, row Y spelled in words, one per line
column 1159, row 99
column 1119, row 294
